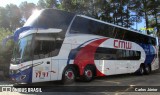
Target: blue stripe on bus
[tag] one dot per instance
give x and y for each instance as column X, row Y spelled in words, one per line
column 150, row 53
column 26, row 72
column 20, row 30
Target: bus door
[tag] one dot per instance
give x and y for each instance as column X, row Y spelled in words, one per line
column 41, row 70
column 44, row 50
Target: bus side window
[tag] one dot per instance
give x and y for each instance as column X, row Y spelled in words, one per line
column 43, row 49
column 87, row 26
column 46, row 45
column 110, row 31
column 119, row 33
column 80, row 25
column 55, row 49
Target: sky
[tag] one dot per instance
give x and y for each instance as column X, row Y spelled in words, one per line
column 3, row 3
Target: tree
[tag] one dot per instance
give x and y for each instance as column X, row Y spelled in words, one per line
column 4, row 20
column 107, row 10
column 115, row 11
column 154, row 6
column 41, row 4
column 52, row 3
column 48, row 4
column 120, row 12
column 143, row 8
column 27, row 9
column 5, row 52
column 14, row 16
column 76, row 6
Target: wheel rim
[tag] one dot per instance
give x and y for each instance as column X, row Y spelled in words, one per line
column 88, row 73
column 69, row 75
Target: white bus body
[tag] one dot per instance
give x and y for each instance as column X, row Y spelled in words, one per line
column 57, row 45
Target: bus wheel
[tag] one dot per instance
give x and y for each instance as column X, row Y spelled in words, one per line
column 88, row 74
column 141, row 70
column 147, row 69
column 68, row 75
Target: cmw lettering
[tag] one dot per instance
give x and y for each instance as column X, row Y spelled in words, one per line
column 122, row 44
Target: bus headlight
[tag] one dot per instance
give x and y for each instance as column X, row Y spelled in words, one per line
column 22, row 77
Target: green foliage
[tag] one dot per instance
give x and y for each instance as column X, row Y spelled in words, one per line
column 5, row 52
column 26, row 9
column 119, row 12
column 14, row 16
column 145, row 9
column 47, row 4
column 41, row 4
column 112, row 11
column 4, row 20
column 10, row 17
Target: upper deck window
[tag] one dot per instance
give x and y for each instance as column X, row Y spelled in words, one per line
column 83, row 25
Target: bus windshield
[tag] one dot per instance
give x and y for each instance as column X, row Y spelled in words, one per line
column 22, row 51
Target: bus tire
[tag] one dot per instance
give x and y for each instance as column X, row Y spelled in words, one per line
column 141, row 70
column 68, row 75
column 88, row 74
column 147, row 69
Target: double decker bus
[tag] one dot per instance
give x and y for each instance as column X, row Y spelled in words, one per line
column 57, row 45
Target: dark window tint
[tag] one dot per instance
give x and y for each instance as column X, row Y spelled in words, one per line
column 139, row 38
column 47, row 45
column 152, row 41
column 119, row 33
column 51, row 18
column 87, row 26
column 116, row 54
column 134, row 37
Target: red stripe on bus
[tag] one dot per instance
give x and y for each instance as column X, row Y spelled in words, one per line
column 86, row 55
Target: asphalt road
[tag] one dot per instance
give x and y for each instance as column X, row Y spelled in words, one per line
column 117, row 85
